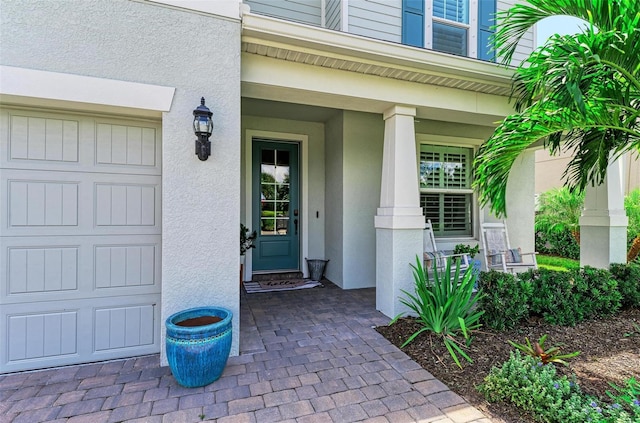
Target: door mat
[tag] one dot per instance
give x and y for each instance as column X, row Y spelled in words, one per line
column 281, row 285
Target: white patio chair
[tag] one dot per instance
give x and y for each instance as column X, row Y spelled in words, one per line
column 498, row 253
column 431, row 253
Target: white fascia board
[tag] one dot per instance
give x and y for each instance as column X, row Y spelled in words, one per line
column 264, row 77
column 284, row 33
column 225, row 8
column 16, row 83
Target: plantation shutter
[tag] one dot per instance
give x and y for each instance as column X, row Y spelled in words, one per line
column 413, row 22
column 452, row 10
column 486, row 18
column 449, row 39
column 445, row 186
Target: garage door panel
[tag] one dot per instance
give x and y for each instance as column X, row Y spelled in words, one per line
column 41, row 335
column 58, row 141
column 37, row 138
column 129, row 145
column 39, row 203
column 63, row 203
column 74, row 331
column 124, row 327
column 56, row 268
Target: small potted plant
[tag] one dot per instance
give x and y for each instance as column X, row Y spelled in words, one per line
column 471, row 252
column 246, row 243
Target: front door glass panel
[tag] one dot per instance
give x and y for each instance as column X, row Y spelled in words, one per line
column 275, row 189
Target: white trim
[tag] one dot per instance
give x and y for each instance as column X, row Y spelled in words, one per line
column 225, row 8
column 428, row 24
column 472, row 36
column 18, row 84
column 422, row 138
column 323, row 13
column 344, row 15
column 250, row 134
column 473, row 144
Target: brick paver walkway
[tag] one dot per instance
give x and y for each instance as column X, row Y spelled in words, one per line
column 315, row 357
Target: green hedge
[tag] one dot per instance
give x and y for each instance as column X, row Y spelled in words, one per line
column 562, row 298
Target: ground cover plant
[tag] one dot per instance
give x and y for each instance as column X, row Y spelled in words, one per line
column 609, row 345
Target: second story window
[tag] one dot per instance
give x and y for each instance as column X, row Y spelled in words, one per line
column 449, row 26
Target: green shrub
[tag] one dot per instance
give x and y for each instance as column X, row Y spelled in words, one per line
column 506, row 300
column 537, row 390
column 567, row 298
column 600, row 296
column 560, row 243
column 628, row 278
column 632, row 210
column 445, row 305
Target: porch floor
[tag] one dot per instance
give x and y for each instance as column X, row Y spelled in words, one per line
column 306, row 356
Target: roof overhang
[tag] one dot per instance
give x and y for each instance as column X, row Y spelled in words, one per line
column 298, row 43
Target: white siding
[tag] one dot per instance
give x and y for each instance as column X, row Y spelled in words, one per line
column 526, row 45
column 379, row 19
column 303, row 11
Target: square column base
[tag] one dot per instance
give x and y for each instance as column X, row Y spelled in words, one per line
column 396, row 250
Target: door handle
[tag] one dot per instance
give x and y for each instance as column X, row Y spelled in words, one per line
column 295, row 222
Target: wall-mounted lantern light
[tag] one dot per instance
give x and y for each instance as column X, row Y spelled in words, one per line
column 202, row 126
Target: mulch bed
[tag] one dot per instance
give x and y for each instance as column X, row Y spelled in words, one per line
column 609, row 352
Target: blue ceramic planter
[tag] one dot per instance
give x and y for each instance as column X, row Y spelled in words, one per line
column 198, row 353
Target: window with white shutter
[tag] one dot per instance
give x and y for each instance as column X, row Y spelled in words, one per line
column 445, row 189
column 450, row 26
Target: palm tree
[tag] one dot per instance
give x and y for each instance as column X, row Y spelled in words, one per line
column 577, row 92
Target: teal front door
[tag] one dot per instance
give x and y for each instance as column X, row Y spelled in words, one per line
column 276, row 213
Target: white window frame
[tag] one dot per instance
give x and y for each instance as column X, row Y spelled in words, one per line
column 471, row 27
column 448, row 141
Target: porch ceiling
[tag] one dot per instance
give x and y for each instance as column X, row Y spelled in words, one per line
column 292, row 42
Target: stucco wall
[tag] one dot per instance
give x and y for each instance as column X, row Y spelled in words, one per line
column 363, row 137
column 334, row 174
column 314, row 174
column 549, row 170
column 153, row 44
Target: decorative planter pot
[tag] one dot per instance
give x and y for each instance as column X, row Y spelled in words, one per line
column 198, row 343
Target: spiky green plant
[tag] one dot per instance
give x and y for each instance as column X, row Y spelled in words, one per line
column 579, row 93
column 445, row 305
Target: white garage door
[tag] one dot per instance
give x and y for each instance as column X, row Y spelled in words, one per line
column 80, row 238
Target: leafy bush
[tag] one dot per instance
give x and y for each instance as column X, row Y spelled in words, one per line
column 559, row 210
column 553, row 296
column 627, row 396
column 445, row 306
column 537, row 390
column 561, row 243
column 506, row 300
column 600, row 295
column 632, row 209
column 628, row 278
column 567, row 298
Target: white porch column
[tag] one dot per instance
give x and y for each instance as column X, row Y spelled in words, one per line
column 603, row 224
column 398, row 221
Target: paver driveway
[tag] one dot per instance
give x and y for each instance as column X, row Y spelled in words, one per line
column 307, row 356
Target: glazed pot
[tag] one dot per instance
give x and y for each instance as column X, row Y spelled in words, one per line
column 198, row 343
